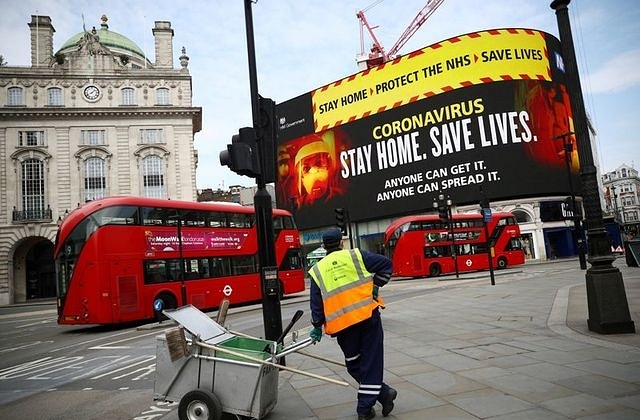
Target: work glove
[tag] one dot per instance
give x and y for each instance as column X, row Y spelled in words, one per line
column 316, row 334
column 375, row 292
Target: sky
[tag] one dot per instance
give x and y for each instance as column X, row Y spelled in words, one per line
column 302, row 45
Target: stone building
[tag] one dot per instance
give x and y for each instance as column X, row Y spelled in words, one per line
column 96, row 118
column 622, row 199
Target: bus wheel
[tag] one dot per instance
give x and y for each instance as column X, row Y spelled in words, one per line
column 435, row 270
column 161, row 302
column 502, row 262
column 200, row 404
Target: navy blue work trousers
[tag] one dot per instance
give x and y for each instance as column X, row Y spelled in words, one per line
column 363, row 348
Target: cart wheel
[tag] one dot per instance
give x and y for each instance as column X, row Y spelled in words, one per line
column 200, row 405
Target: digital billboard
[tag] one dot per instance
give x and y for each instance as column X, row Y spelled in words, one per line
column 486, row 113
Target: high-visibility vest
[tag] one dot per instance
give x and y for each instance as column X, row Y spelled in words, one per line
column 346, row 287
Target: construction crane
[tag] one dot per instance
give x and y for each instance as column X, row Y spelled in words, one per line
column 377, row 54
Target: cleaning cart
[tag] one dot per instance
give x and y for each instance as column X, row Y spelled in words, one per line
column 213, row 370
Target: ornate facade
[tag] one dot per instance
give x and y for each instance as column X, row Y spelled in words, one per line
column 93, row 119
column 622, row 199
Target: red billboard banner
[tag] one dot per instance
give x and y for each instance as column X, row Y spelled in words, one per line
column 487, row 110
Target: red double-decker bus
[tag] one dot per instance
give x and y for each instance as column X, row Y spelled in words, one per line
column 424, row 245
column 122, row 259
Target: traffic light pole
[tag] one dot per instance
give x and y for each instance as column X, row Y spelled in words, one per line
column 485, row 211
column 443, row 205
column 271, row 311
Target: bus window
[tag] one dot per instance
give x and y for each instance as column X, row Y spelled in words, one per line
column 117, row 215
column 155, row 271
column 292, row 260
column 153, row 216
column 437, row 251
column 216, row 219
column 174, row 270
column 244, row 264
column 515, row 244
column 194, row 218
column 240, row 220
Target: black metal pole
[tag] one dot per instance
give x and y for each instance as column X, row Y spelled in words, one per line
column 606, row 297
column 271, row 311
column 577, row 225
column 454, row 253
column 348, row 219
column 617, row 217
column 485, row 210
column 489, row 253
column 183, row 287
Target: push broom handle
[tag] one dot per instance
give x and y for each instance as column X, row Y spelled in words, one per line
column 264, row 362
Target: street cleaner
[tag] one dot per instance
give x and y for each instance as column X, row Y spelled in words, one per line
column 344, row 300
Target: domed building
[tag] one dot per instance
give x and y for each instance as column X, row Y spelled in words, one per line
column 96, row 118
column 121, row 47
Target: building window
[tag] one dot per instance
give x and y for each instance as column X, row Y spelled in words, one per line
column 15, row 96
column 33, row 186
column 128, row 96
column 153, row 176
column 93, row 137
column 162, row 96
column 95, row 184
column 151, row 136
column 54, row 96
column 30, row 138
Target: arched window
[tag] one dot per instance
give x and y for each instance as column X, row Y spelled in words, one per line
column 522, row 216
column 54, row 96
column 128, row 96
column 95, row 183
column 32, row 184
column 153, row 176
column 162, row 96
column 15, row 96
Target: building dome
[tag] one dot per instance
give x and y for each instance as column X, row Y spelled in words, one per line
column 117, row 43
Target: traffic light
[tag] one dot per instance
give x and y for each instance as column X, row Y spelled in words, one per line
column 241, row 155
column 268, row 135
column 341, row 220
column 443, row 212
column 252, row 151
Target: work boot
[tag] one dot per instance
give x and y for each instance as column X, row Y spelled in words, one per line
column 387, row 401
column 371, row 414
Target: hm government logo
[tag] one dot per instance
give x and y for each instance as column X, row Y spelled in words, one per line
column 284, row 124
column 559, row 62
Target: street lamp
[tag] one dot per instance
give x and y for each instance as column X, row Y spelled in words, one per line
column 617, row 217
column 443, row 205
column 575, row 215
column 606, row 297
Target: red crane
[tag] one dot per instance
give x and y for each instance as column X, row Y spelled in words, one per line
column 378, row 54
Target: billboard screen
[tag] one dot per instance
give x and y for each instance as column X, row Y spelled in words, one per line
column 483, row 113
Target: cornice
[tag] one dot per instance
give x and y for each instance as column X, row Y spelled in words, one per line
column 17, row 113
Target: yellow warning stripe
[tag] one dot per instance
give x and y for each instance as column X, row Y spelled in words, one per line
column 471, row 59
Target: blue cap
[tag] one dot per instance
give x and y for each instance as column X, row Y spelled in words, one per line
column 332, row 236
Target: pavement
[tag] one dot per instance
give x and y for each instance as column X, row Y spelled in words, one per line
column 465, row 349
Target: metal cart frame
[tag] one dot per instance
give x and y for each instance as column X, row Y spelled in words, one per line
column 217, row 371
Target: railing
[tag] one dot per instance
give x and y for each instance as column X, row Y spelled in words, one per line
column 26, row 216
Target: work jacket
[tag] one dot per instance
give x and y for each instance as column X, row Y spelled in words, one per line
column 346, row 287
